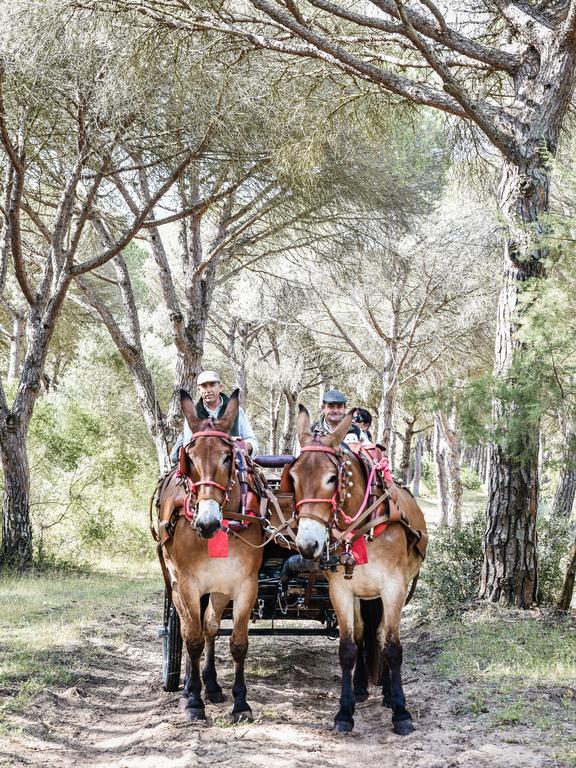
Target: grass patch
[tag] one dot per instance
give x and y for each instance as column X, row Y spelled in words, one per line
column 510, row 650
column 45, row 619
column 517, row 670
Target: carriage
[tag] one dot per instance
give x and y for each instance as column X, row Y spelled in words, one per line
column 292, row 592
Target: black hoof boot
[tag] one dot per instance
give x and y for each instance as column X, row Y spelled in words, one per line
column 403, row 727
column 386, row 702
column 360, row 695
column 343, row 726
column 195, row 714
column 215, row 697
column 243, row 717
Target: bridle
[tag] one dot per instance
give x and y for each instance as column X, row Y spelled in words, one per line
column 335, row 501
column 192, row 487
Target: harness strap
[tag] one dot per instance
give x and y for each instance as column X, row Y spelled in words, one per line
column 353, row 527
column 285, row 524
column 318, row 449
column 165, row 574
column 312, row 516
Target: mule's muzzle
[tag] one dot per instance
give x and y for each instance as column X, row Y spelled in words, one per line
column 207, row 530
column 208, row 518
column 310, row 538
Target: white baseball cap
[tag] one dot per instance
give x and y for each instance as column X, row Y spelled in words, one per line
column 208, row 377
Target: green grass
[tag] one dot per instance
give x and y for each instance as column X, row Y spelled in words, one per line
column 45, row 620
column 511, row 650
column 515, row 670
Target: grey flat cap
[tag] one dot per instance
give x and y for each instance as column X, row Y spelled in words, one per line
column 334, row 396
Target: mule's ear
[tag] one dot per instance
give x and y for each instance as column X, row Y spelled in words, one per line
column 226, row 421
column 303, row 423
column 335, row 438
column 189, row 410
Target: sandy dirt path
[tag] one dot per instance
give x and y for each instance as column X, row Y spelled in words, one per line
column 120, row 717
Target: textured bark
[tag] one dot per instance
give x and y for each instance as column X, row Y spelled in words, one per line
column 16, row 549
column 289, row 432
column 447, row 428
column 439, row 450
column 418, row 465
column 407, row 450
column 16, row 347
column 566, row 489
column 565, row 600
column 274, row 414
column 509, row 573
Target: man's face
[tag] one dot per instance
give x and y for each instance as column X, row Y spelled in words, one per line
column 334, row 413
column 210, row 393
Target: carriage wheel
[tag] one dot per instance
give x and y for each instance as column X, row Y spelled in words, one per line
column 171, row 650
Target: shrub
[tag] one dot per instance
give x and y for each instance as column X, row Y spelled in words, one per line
column 554, row 539
column 451, row 573
column 470, row 479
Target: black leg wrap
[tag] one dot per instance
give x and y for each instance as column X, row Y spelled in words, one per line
column 401, row 718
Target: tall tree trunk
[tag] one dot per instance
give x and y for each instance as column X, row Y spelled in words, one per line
column 407, row 449
column 447, row 428
column 566, row 489
column 418, row 465
column 509, row 573
column 16, row 526
column 274, row 413
column 565, row 600
column 439, row 449
column 289, row 432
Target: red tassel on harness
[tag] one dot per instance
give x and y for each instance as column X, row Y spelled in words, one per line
column 218, row 544
column 359, row 551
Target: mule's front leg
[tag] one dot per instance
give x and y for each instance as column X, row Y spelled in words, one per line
column 360, row 670
column 218, row 603
column 393, row 598
column 188, row 606
column 343, row 603
column 243, row 605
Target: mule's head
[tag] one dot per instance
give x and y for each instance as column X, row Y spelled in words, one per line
column 211, row 462
column 315, row 478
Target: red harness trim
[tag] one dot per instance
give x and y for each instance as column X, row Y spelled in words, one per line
column 331, row 501
column 318, row 449
column 210, row 433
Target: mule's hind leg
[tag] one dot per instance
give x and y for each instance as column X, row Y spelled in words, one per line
column 393, row 596
column 212, row 617
column 243, row 605
column 360, row 680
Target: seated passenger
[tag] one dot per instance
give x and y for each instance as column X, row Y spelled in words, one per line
column 363, row 420
column 212, row 404
column 331, row 414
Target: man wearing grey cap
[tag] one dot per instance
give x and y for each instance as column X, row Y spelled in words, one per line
column 332, row 412
column 212, row 404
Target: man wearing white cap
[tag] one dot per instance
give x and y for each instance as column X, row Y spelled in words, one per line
column 212, row 404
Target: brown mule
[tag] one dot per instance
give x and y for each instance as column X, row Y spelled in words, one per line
column 330, row 485
column 194, row 573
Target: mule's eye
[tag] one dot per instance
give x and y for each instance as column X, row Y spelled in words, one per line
column 227, row 460
column 332, row 479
